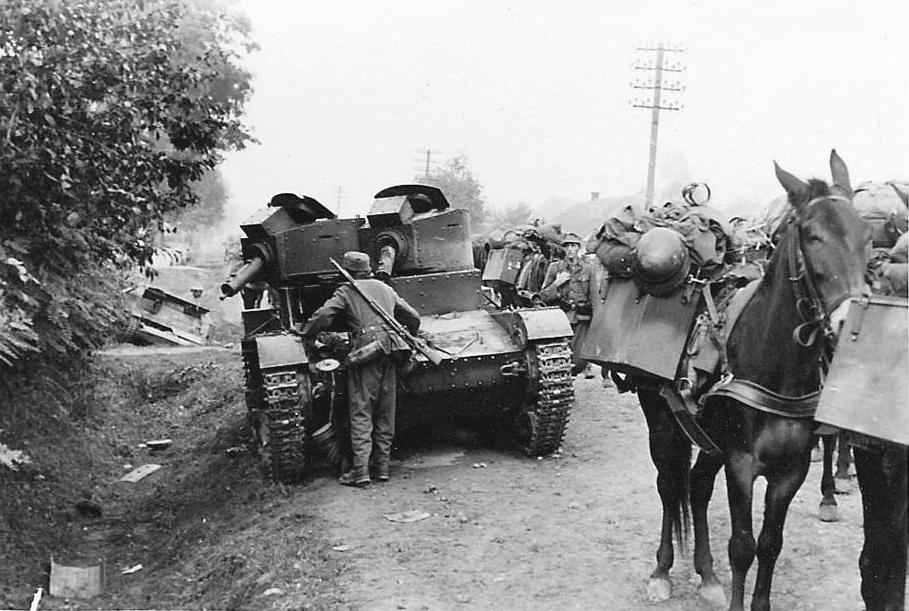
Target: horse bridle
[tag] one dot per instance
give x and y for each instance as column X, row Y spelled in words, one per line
column 809, row 303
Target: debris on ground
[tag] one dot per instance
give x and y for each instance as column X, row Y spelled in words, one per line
column 273, row 592
column 344, row 547
column 405, row 517
column 11, row 459
column 75, row 581
column 36, row 600
column 132, row 569
column 88, row 508
column 159, row 444
column 140, row 472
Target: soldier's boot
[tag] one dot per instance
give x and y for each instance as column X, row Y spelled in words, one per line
column 379, row 470
column 357, row 476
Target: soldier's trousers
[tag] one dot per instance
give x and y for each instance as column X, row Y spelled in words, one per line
column 372, row 391
column 580, row 332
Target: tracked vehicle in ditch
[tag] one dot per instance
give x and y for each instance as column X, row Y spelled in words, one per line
column 512, row 365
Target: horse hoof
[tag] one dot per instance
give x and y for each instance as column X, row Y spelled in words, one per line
column 713, row 595
column 828, row 513
column 659, row 589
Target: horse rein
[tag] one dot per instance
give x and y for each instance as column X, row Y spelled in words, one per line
column 809, row 303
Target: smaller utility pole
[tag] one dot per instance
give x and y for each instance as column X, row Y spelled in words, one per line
column 653, row 59
column 425, row 162
column 339, row 201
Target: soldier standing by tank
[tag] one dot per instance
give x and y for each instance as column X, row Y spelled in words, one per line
column 372, row 376
column 571, row 284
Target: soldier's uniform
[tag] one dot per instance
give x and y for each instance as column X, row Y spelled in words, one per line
column 576, row 296
column 371, row 385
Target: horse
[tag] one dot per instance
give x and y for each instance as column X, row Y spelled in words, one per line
column 773, row 349
column 760, row 414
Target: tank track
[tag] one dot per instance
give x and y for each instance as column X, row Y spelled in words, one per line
column 286, row 445
column 252, row 376
column 550, row 367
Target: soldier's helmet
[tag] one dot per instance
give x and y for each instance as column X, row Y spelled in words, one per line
column 355, row 261
column 661, row 261
column 571, row 238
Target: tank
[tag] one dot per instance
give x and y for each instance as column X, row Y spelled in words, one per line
column 511, row 365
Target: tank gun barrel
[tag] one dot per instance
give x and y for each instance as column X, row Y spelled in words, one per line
column 242, row 276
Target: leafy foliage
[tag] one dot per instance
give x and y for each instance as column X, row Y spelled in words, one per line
column 209, row 211
column 109, row 111
column 510, row 216
column 461, row 188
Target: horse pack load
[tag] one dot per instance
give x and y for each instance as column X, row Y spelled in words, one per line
column 871, row 357
column 660, row 263
column 514, row 262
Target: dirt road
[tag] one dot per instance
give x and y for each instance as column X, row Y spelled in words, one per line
column 500, row 531
column 578, row 531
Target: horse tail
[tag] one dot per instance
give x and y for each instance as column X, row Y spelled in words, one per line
column 670, row 451
column 681, row 519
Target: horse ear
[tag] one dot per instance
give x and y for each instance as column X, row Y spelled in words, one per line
column 795, row 187
column 839, row 172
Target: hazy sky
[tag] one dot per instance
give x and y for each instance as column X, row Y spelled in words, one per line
column 536, row 95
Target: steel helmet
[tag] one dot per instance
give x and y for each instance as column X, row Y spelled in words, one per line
column 661, row 261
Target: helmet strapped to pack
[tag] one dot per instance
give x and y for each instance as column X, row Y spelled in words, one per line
column 661, row 261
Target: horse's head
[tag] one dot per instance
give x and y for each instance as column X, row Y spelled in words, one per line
column 831, row 242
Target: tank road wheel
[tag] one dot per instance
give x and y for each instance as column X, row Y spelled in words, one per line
column 550, row 397
column 282, row 423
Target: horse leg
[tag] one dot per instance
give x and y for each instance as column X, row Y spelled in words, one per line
column 670, row 451
column 781, row 488
column 828, row 510
column 816, row 452
column 843, row 455
column 703, row 476
column 740, row 490
column 882, row 479
column 843, row 480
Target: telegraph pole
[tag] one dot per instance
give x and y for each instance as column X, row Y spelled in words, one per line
column 339, row 201
column 652, row 59
column 427, row 164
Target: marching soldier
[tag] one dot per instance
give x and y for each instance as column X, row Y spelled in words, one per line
column 571, row 284
column 376, row 352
